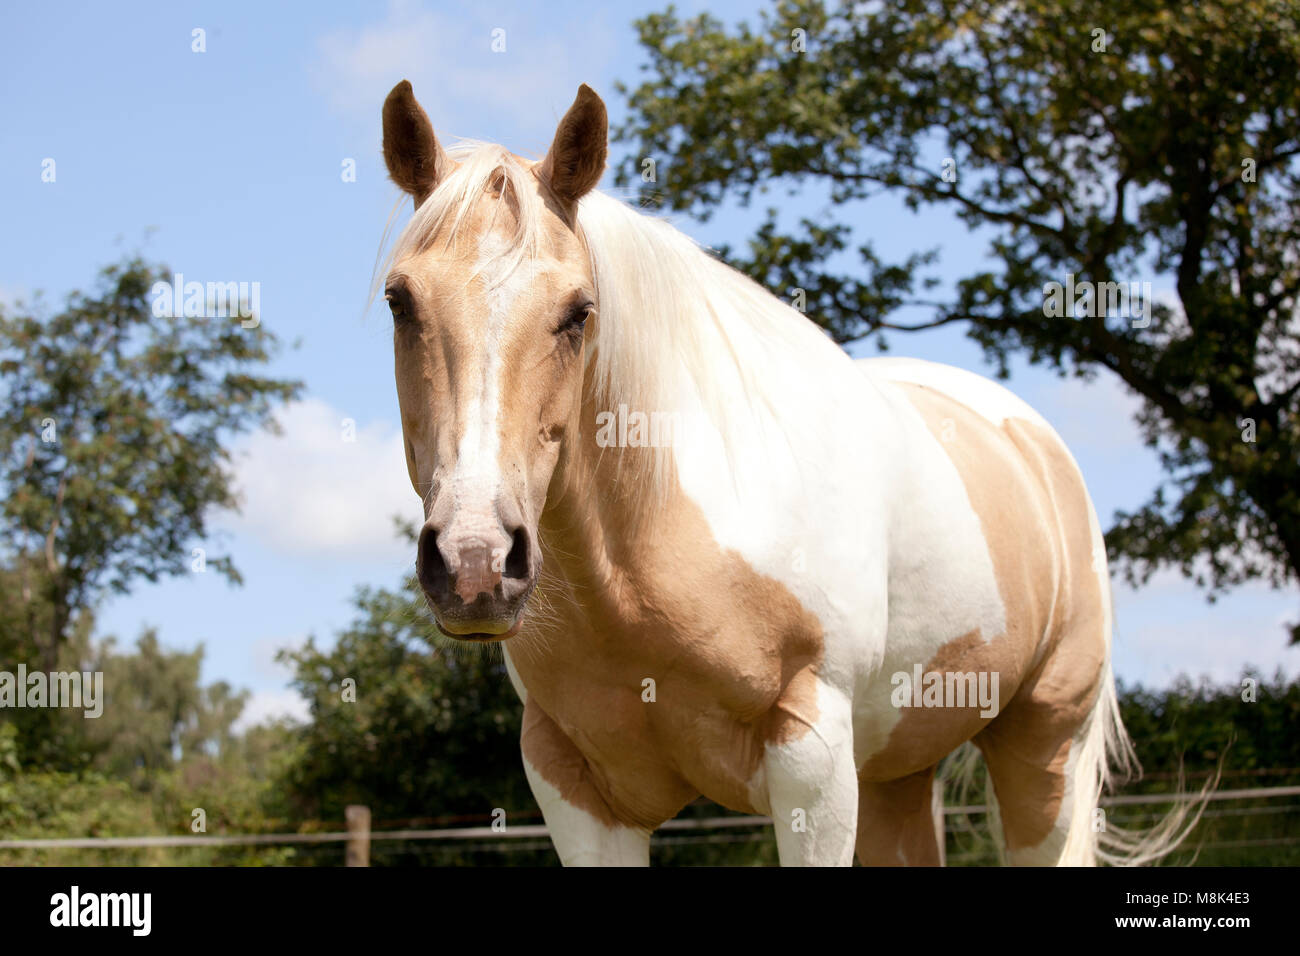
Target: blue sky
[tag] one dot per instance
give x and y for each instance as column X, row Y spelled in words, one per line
column 227, row 164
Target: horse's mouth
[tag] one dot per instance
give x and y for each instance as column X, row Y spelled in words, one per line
column 482, row 637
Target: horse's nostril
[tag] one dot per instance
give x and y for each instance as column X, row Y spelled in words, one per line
column 430, row 566
column 517, row 559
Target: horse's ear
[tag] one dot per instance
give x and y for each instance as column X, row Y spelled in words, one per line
column 576, row 160
column 415, row 159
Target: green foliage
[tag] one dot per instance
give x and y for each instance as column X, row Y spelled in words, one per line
column 432, row 731
column 48, row 737
column 1239, row 735
column 1246, row 731
column 111, row 445
column 238, row 792
column 1195, row 725
column 1171, row 148
column 49, row 804
column 155, row 711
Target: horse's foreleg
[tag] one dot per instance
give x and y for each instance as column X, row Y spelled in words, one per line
column 583, row 828
column 812, row 784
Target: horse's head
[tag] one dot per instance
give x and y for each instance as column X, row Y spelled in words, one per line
column 490, row 290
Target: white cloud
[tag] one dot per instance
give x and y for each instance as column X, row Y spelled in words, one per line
column 309, row 493
column 267, row 705
column 457, row 77
column 273, row 702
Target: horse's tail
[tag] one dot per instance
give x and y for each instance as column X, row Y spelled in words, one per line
column 1105, row 759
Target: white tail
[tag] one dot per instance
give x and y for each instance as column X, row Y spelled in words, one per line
column 1107, row 757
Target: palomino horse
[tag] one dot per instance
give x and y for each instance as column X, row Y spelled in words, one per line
column 774, row 576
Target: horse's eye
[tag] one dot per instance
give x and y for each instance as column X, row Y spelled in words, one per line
column 577, row 318
column 398, row 304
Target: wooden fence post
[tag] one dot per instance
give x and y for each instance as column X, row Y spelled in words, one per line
column 357, row 849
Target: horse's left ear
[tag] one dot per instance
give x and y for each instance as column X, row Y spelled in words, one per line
column 576, row 160
column 414, row 158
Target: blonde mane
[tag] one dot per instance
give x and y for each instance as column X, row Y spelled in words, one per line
column 675, row 328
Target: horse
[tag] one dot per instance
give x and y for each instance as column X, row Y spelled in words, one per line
column 721, row 557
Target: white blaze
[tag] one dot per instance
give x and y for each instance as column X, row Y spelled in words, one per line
column 477, row 479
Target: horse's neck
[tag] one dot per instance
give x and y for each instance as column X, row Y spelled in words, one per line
column 794, row 406
column 596, row 514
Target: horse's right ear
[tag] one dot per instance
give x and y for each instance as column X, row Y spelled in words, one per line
column 576, row 160
column 415, row 159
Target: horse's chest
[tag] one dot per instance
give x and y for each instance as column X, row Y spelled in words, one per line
column 659, row 729
column 671, row 668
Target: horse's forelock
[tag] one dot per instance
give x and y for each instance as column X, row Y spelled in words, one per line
column 482, row 171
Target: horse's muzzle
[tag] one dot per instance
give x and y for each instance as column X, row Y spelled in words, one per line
column 476, row 581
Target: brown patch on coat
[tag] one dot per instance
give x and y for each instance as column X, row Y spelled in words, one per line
column 1026, row 748
column 1033, row 510
column 552, row 754
column 733, row 653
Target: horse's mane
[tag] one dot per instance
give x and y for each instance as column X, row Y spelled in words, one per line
column 678, row 332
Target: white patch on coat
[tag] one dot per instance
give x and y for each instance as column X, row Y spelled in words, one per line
column 478, row 455
column 516, row 681
column 477, row 481
column 812, row 788
column 580, row 839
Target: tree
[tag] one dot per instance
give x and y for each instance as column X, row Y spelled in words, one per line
column 1109, row 141
column 112, row 446
column 47, row 736
column 423, row 729
column 162, row 758
column 155, row 711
